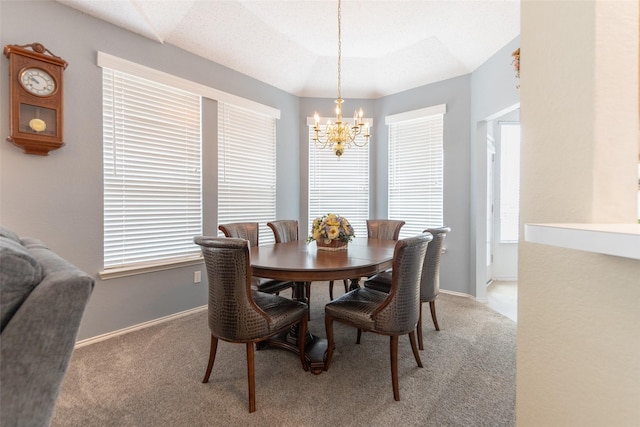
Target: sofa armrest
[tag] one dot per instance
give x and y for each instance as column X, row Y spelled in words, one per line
column 36, row 347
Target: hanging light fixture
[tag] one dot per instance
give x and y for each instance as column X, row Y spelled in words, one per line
column 339, row 135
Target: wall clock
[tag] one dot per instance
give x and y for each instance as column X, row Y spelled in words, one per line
column 36, row 98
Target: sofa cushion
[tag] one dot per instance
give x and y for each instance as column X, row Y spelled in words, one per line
column 5, row 232
column 19, row 275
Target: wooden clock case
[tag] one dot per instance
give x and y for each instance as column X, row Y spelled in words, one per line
column 36, row 120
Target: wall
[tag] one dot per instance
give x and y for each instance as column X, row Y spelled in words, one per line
column 578, row 317
column 58, row 198
column 455, row 93
column 493, row 93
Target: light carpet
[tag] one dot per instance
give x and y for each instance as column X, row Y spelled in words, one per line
column 152, row 377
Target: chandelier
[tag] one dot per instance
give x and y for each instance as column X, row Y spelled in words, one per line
column 339, row 135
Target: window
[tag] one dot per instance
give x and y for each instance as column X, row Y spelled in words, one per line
column 246, row 167
column 339, row 184
column 416, row 169
column 152, row 179
column 509, row 181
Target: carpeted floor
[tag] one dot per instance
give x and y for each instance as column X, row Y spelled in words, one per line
column 152, row 377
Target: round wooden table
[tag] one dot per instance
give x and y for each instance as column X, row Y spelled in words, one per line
column 302, row 263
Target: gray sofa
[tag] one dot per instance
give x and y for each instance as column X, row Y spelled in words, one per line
column 42, row 299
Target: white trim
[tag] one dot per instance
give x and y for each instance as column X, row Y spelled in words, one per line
column 456, row 294
column 108, row 335
column 415, row 114
column 503, row 279
column 311, row 121
column 622, row 240
column 115, row 273
column 109, row 61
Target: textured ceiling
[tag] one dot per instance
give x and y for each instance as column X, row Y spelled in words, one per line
column 387, row 46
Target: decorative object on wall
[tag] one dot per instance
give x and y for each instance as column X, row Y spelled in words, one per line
column 516, row 63
column 331, row 232
column 339, row 135
column 36, row 96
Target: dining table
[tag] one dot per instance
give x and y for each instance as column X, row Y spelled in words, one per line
column 301, row 262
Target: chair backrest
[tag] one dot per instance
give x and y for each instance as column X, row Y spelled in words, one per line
column 233, row 314
column 284, row 230
column 400, row 311
column 430, row 281
column 388, row 229
column 242, row 230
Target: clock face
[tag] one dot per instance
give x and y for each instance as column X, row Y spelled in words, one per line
column 37, row 81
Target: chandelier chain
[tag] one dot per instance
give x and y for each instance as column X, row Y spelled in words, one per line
column 339, row 49
column 340, row 134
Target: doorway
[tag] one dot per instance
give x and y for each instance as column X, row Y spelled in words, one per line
column 491, row 262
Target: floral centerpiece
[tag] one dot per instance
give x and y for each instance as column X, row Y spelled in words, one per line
column 331, row 232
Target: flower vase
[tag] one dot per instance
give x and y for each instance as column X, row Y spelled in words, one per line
column 333, row 245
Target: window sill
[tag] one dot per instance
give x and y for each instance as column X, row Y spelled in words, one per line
column 115, row 273
column 622, row 240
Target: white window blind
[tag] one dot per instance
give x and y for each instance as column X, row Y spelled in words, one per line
column 246, row 168
column 509, row 181
column 416, row 169
column 152, row 179
column 339, row 185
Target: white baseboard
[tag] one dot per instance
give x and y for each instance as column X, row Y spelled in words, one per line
column 139, row 326
column 458, row 294
column 505, row 278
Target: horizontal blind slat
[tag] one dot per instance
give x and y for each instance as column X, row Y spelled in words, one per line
column 152, row 171
column 246, row 168
column 416, row 173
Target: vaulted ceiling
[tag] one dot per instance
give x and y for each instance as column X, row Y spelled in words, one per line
column 387, row 45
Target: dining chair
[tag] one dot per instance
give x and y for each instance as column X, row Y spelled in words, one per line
column 430, row 281
column 286, row 230
column 251, row 231
column 239, row 314
column 388, row 229
column 395, row 313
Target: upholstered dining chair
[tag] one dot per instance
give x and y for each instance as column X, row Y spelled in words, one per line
column 388, row 229
column 286, row 230
column 395, row 313
column 429, row 283
column 250, row 231
column 239, row 314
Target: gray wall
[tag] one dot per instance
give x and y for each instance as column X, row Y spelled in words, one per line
column 494, row 92
column 456, row 93
column 58, row 198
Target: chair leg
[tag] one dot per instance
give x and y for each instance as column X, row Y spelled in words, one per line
column 394, row 366
column 359, row 335
column 212, row 358
column 252, row 378
column 419, row 330
column 328, row 326
column 345, row 282
column 307, row 291
column 302, row 335
column 432, row 306
column 416, row 354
